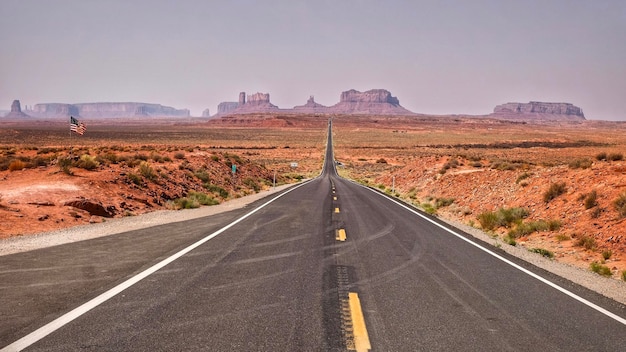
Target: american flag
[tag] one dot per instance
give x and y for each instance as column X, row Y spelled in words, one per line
column 76, row 126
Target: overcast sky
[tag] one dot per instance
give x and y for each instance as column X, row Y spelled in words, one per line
column 436, row 56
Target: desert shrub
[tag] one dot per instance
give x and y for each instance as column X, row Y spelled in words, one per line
column 215, row 157
column 134, row 178
column 186, row 203
column 202, row 198
column 216, row 189
column 525, row 229
column 504, row 166
column 381, row 161
column 620, row 205
column 488, row 220
column 586, row 242
column 601, row 156
column 428, row 208
column 202, row 175
column 510, row 240
column 142, row 157
column 236, row 158
column 580, row 164
column 147, row 171
column 185, row 165
column 65, row 164
column 600, row 269
column 591, row 199
column 47, row 150
column 615, row 157
column 443, row 202
column 179, row 155
column 87, row 162
column 511, row 215
column 39, row 161
column 555, row 190
column 477, row 164
column 595, row 213
column 250, row 182
column 562, row 237
column 522, row 177
column 544, row 252
column 157, row 158
column 606, row 254
column 111, row 158
column 503, row 217
column 17, row 165
column 624, row 275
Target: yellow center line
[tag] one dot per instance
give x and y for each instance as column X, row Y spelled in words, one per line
column 340, row 235
column 361, row 339
column 334, row 198
column 336, row 210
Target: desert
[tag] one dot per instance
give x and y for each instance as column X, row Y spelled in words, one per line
column 555, row 188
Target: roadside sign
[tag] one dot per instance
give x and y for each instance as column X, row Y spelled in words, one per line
column 294, row 165
column 234, row 168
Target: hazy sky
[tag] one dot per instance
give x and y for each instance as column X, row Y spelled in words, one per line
column 436, row 56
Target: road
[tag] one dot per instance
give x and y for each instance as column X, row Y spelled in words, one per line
column 328, row 265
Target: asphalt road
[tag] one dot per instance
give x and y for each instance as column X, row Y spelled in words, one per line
column 327, row 266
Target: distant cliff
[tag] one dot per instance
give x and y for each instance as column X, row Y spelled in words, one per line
column 104, row 110
column 376, row 101
column 539, row 111
column 16, row 111
column 258, row 102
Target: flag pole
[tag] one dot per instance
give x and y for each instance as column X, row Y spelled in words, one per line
column 70, row 137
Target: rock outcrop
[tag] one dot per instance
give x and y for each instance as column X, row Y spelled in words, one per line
column 16, row 111
column 536, row 110
column 258, row 102
column 206, row 113
column 227, row 107
column 104, row 110
column 375, row 101
column 311, row 107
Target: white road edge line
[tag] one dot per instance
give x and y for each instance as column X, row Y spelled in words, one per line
column 66, row 318
column 516, row 266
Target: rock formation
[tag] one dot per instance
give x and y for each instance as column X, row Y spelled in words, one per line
column 101, row 110
column 375, row 101
column 206, row 113
column 258, row 102
column 311, row 107
column 16, row 111
column 227, row 107
column 536, row 110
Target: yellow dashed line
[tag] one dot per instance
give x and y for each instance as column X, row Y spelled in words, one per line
column 340, row 235
column 334, row 198
column 361, row 339
column 336, row 210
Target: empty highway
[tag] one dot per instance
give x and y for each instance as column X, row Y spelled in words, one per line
column 327, row 265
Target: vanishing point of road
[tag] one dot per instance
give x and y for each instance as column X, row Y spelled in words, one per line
column 327, row 265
